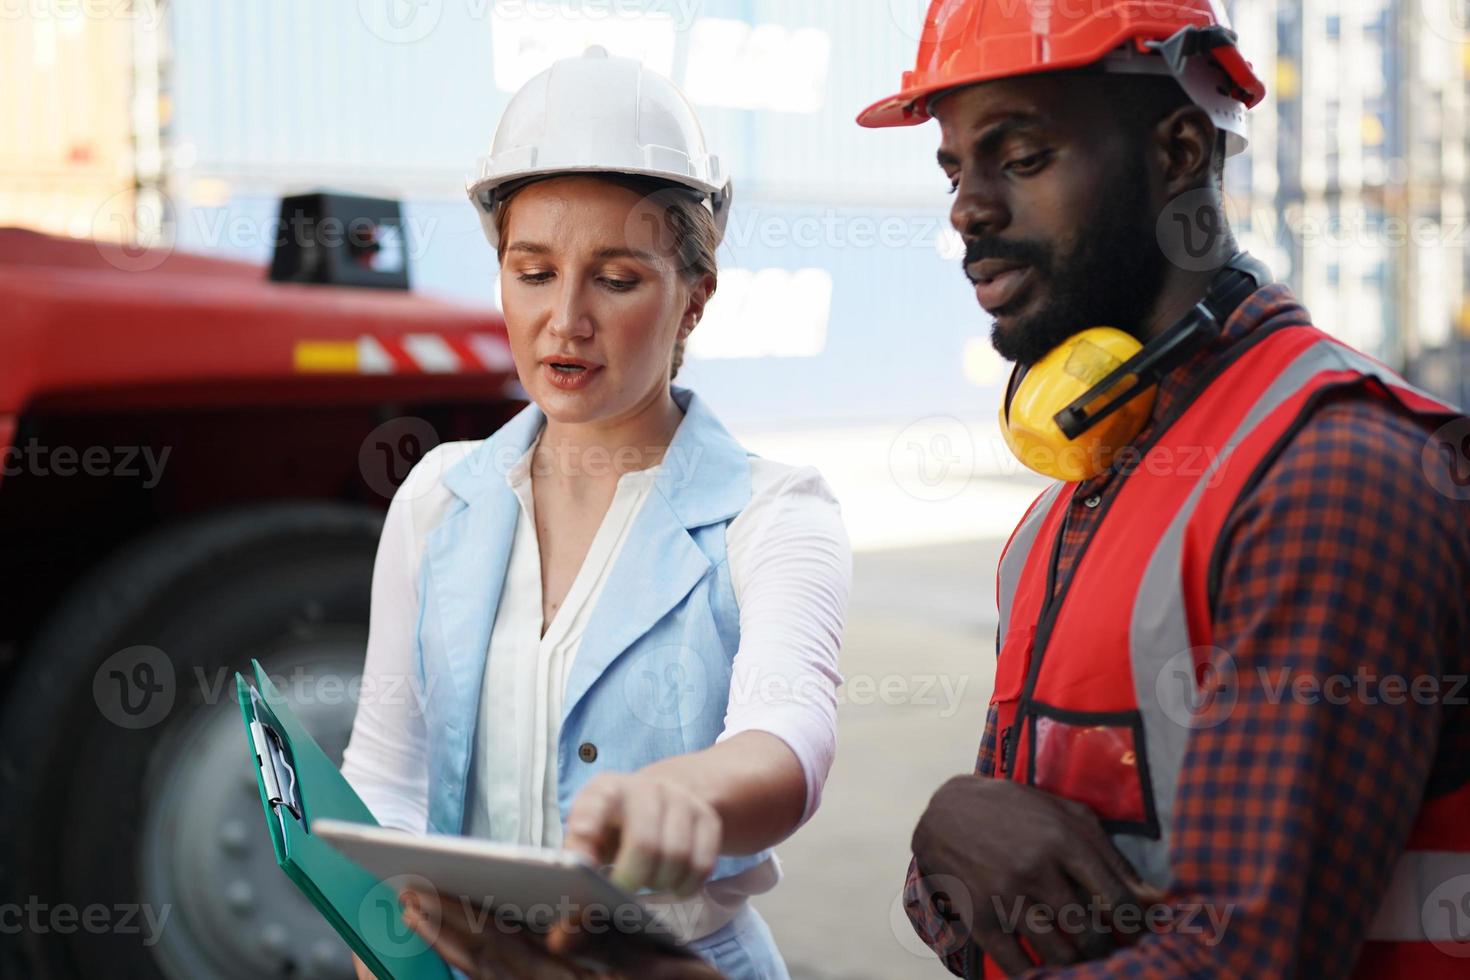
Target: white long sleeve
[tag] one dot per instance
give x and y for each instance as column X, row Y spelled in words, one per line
column 791, row 567
column 386, row 759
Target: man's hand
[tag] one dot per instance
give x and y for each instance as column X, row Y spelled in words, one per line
column 657, row 833
column 1015, row 847
column 484, row 951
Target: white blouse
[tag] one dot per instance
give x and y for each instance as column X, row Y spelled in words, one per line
column 791, row 570
column 512, row 791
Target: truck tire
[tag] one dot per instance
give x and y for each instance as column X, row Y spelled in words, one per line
column 132, row 840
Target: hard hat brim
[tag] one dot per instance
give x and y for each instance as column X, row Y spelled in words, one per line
column 482, row 192
column 910, row 107
column 478, row 189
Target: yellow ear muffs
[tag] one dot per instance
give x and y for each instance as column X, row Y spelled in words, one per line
column 1071, row 370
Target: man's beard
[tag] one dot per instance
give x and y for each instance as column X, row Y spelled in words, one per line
column 1112, row 277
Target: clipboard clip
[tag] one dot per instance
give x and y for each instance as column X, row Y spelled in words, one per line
column 276, row 770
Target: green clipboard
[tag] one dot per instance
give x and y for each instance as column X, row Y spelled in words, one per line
column 298, row 784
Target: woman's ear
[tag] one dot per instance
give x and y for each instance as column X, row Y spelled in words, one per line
column 699, row 296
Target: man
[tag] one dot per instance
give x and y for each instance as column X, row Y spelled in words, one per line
column 1229, row 734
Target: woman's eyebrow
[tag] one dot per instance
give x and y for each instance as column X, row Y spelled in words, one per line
column 601, row 255
column 529, row 248
column 622, row 252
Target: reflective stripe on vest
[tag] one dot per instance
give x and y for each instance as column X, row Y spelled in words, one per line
column 1160, row 638
column 1160, row 630
column 1013, row 556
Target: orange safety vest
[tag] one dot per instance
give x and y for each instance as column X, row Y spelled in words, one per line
column 1096, row 694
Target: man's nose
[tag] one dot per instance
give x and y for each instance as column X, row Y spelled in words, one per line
column 979, row 208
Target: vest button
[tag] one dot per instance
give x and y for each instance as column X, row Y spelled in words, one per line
column 1093, row 501
column 587, row 752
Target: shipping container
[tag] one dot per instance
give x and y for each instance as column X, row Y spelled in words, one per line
column 66, row 158
column 1354, row 189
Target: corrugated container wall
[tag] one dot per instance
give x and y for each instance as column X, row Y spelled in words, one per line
column 837, row 274
column 65, row 123
column 840, row 230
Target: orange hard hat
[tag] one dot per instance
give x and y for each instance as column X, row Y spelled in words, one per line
column 970, row 41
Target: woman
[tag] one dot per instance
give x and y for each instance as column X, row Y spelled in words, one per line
column 625, row 627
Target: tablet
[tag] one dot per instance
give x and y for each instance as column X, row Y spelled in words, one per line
column 531, row 885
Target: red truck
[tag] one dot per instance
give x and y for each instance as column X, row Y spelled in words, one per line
column 196, row 460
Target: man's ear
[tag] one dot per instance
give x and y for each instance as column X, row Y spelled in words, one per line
column 1185, row 142
column 699, row 297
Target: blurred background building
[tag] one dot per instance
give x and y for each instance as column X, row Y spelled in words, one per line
column 186, row 122
column 1354, row 188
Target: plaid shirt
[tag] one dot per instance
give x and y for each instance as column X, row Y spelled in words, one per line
column 1342, row 560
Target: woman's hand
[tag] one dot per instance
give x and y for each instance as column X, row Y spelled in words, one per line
column 657, row 832
column 360, row 968
column 487, row 953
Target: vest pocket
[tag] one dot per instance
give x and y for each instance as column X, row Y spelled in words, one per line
column 1095, row 758
column 1010, row 677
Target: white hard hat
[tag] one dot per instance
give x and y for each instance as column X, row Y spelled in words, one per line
column 598, row 114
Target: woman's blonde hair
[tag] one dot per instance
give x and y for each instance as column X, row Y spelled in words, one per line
column 692, row 234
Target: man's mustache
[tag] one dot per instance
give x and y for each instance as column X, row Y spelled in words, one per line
column 1018, row 251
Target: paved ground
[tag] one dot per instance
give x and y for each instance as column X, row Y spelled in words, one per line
column 918, row 659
